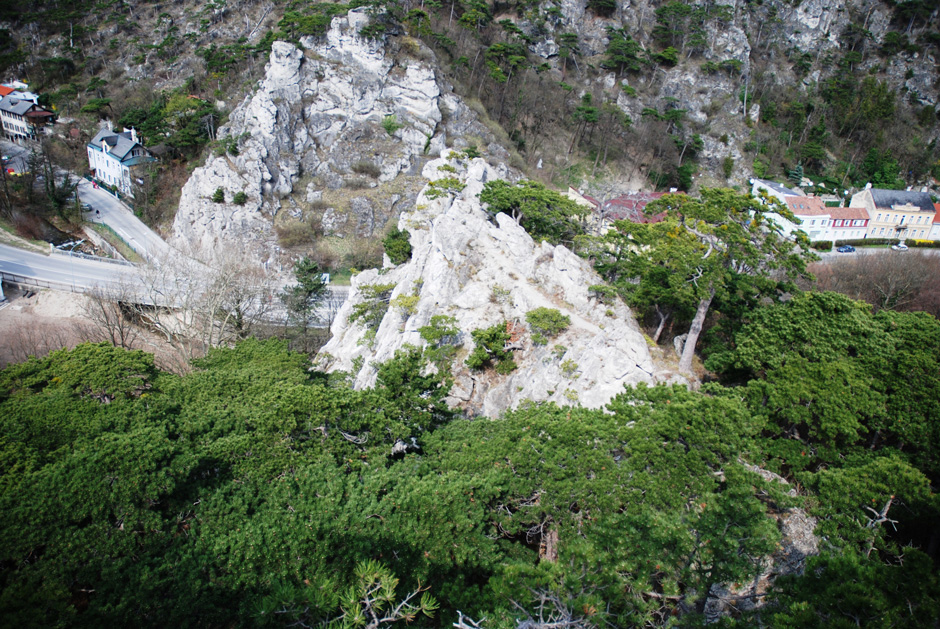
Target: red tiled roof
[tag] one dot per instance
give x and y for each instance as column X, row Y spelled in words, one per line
column 852, row 213
column 936, row 218
column 6, row 91
column 630, row 207
column 807, row 206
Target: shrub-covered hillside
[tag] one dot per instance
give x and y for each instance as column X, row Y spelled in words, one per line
column 252, row 492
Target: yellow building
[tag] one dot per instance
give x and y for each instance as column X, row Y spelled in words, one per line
column 896, row 213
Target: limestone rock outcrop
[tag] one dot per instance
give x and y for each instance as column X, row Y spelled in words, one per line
column 339, row 112
column 486, row 270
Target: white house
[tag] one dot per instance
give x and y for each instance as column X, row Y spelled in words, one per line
column 21, row 118
column 774, row 189
column 112, row 157
column 812, row 213
column 815, row 217
column 848, row 223
column 935, row 228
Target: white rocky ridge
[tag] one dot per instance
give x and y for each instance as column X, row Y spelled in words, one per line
column 318, row 111
column 484, row 272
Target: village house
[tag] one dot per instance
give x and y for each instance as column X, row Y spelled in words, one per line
column 896, row 213
column 813, row 215
column 774, row 189
column 935, row 228
column 114, row 156
column 627, row 207
column 848, row 223
column 22, row 118
column 815, row 218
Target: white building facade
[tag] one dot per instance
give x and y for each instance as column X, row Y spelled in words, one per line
column 112, row 157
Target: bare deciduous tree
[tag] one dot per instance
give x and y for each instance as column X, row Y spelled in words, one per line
column 886, row 279
column 198, row 305
column 112, row 313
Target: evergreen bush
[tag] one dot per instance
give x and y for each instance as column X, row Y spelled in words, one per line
column 397, row 246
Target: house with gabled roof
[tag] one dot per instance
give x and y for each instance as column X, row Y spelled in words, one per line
column 814, row 217
column 774, row 189
column 22, row 118
column 848, row 223
column 630, row 206
column 896, row 213
column 113, row 156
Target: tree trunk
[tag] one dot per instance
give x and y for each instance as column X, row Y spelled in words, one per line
column 688, row 351
column 663, row 317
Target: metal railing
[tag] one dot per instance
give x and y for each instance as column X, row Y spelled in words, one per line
column 85, row 256
column 23, row 280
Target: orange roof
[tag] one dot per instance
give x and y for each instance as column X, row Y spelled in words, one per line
column 849, row 212
column 807, row 206
column 936, row 217
column 6, row 91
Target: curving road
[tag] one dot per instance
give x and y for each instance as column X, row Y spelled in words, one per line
column 143, row 240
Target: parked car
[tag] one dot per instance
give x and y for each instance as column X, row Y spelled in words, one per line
column 86, row 207
column 899, row 247
column 846, row 249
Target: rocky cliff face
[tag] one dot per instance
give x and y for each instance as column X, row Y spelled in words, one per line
column 761, row 39
column 485, row 271
column 341, row 113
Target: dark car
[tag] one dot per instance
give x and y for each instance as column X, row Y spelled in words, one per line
column 846, row 249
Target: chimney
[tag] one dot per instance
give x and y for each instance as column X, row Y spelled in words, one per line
column 110, row 128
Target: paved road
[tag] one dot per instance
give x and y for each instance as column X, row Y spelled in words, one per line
column 862, row 251
column 17, row 156
column 108, row 210
column 78, row 274
column 111, row 212
column 66, row 271
column 62, row 271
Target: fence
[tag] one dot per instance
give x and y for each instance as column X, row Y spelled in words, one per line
column 22, row 280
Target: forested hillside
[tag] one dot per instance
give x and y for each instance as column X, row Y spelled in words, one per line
column 650, row 93
column 252, row 491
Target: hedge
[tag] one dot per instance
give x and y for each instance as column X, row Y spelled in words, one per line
column 868, row 242
column 883, row 242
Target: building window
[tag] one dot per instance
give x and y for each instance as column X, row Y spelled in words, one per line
column 882, row 232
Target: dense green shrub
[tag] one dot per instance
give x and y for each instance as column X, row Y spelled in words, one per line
column 218, row 196
column 240, row 198
column 443, row 187
column 545, row 214
column 397, row 246
column 822, row 245
column 546, row 323
column 390, row 124
column 490, row 349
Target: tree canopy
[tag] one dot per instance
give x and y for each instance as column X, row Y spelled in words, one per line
column 720, row 245
column 544, row 213
column 255, row 491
